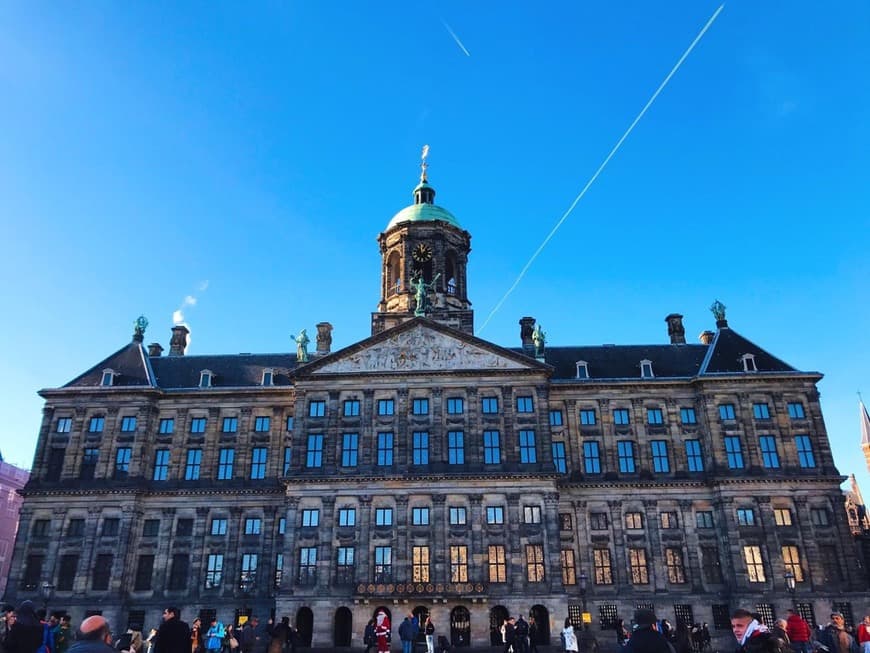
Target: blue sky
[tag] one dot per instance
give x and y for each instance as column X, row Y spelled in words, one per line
column 247, row 155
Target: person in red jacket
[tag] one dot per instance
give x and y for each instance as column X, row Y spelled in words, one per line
column 799, row 632
column 862, row 634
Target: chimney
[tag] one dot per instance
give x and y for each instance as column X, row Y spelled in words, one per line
column 324, row 338
column 675, row 329
column 527, row 326
column 155, row 350
column 706, row 337
column 178, row 343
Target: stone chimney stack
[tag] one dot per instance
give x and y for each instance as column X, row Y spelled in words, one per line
column 675, row 329
column 527, row 326
column 706, row 337
column 324, row 338
column 178, row 343
column 155, row 350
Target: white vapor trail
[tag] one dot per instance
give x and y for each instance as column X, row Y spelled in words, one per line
column 602, row 166
column 455, row 38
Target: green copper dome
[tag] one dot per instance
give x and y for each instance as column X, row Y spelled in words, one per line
column 423, row 213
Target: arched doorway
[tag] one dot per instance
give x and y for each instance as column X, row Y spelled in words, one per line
column 460, row 626
column 542, row 619
column 304, row 626
column 497, row 615
column 420, row 613
column 342, row 627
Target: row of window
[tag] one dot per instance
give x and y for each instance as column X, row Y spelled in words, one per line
column 420, row 406
column 655, row 416
column 166, row 425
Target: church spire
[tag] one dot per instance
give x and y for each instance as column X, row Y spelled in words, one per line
column 424, row 193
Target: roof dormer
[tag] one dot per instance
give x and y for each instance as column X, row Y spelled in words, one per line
column 108, row 378
column 646, row 369
column 206, row 378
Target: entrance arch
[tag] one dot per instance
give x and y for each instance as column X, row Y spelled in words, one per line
column 342, row 627
column 460, row 626
column 497, row 615
column 542, row 619
column 304, row 625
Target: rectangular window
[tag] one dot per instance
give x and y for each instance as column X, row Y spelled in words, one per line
column 674, row 563
column 167, row 426
column 76, row 528
column 66, row 573
column 225, row 464
column 345, row 565
column 832, row 571
column 459, row 564
column 122, row 461
column 769, row 454
column 791, row 557
column 456, row 447
column 782, row 516
column 347, row 517
column 386, row 407
column 634, row 520
column 288, row 453
column 385, row 449
column 455, row 406
column 420, row 445
column 704, row 519
column 587, row 417
column 621, row 417
column 569, row 568
column 102, row 572
column 128, row 424
column 496, row 565
column 796, row 410
column 32, row 572
column 458, row 516
column 560, row 461
column 661, row 462
column 161, row 465
column 314, row 454
column 90, row 457
column 218, row 526
column 230, row 425
column 144, row 572
column 491, row 448
column 525, row 405
column 601, row 565
column 279, row 570
column 625, row 454
column 420, row 406
column 40, row 528
column 307, row 566
column 290, row 423
column 64, row 425
column 316, row 408
column 420, row 516
column 694, row 457
column 760, row 411
column 351, row 408
column 349, row 449
column 638, row 566
column 494, row 515
column 531, row 514
column 383, row 517
column 383, row 564
column 214, row 571
column 96, row 424
column 734, row 451
column 310, row 518
column 111, row 527
column 179, row 571
column 489, row 405
column 282, row 526
column 754, row 564
column 150, row 528
column 535, row 563
column 55, row 463
column 262, row 424
column 598, row 521
column 669, row 520
column 806, row 458
column 726, row 411
column 258, row 462
column 687, row 416
column 711, row 565
column 420, row 564
column 191, row 467
column 819, row 517
column 556, row 418
column 197, row 425
column 253, row 526
column 745, row 517
column 566, row 524
column 528, row 450
column 591, row 457
column 654, row 416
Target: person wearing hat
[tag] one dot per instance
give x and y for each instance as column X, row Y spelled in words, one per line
column 835, row 638
column 645, row 638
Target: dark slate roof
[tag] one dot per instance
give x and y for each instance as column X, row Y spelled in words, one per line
column 130, row 363
column 727, row 350
column 623, row 361
column 230, row 371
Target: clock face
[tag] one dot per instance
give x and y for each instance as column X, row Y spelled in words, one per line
column 422, row 252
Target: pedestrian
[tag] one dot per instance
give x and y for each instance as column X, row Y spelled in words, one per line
column 196, row 636
column 682, row 641
column 835, row 637
column 568, row 637
column 533, row 635
column 408, row 633
column 521, row 630
column 249, row 639
column 214, row 636
column 429, row 631
column 587, row 641
column 752, row 635
column 93, row 636
column 509, row 635
column 780, row 629
column 279, row 634
column 621, row 633
column 383, row 631
column 862, row 634
column 369, row 638
column 645, row 638
column 26, row 633
column 173, row 636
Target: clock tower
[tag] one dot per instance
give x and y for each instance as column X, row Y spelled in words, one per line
column 424, row 258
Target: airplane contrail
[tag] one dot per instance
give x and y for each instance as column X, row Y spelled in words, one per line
column 602, row 166
column 455, row 38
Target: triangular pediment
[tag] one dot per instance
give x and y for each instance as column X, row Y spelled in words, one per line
column 423, row 346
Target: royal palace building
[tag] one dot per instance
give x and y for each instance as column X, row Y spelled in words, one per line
column 425, row 469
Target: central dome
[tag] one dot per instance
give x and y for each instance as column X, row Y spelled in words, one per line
column 423, row 213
